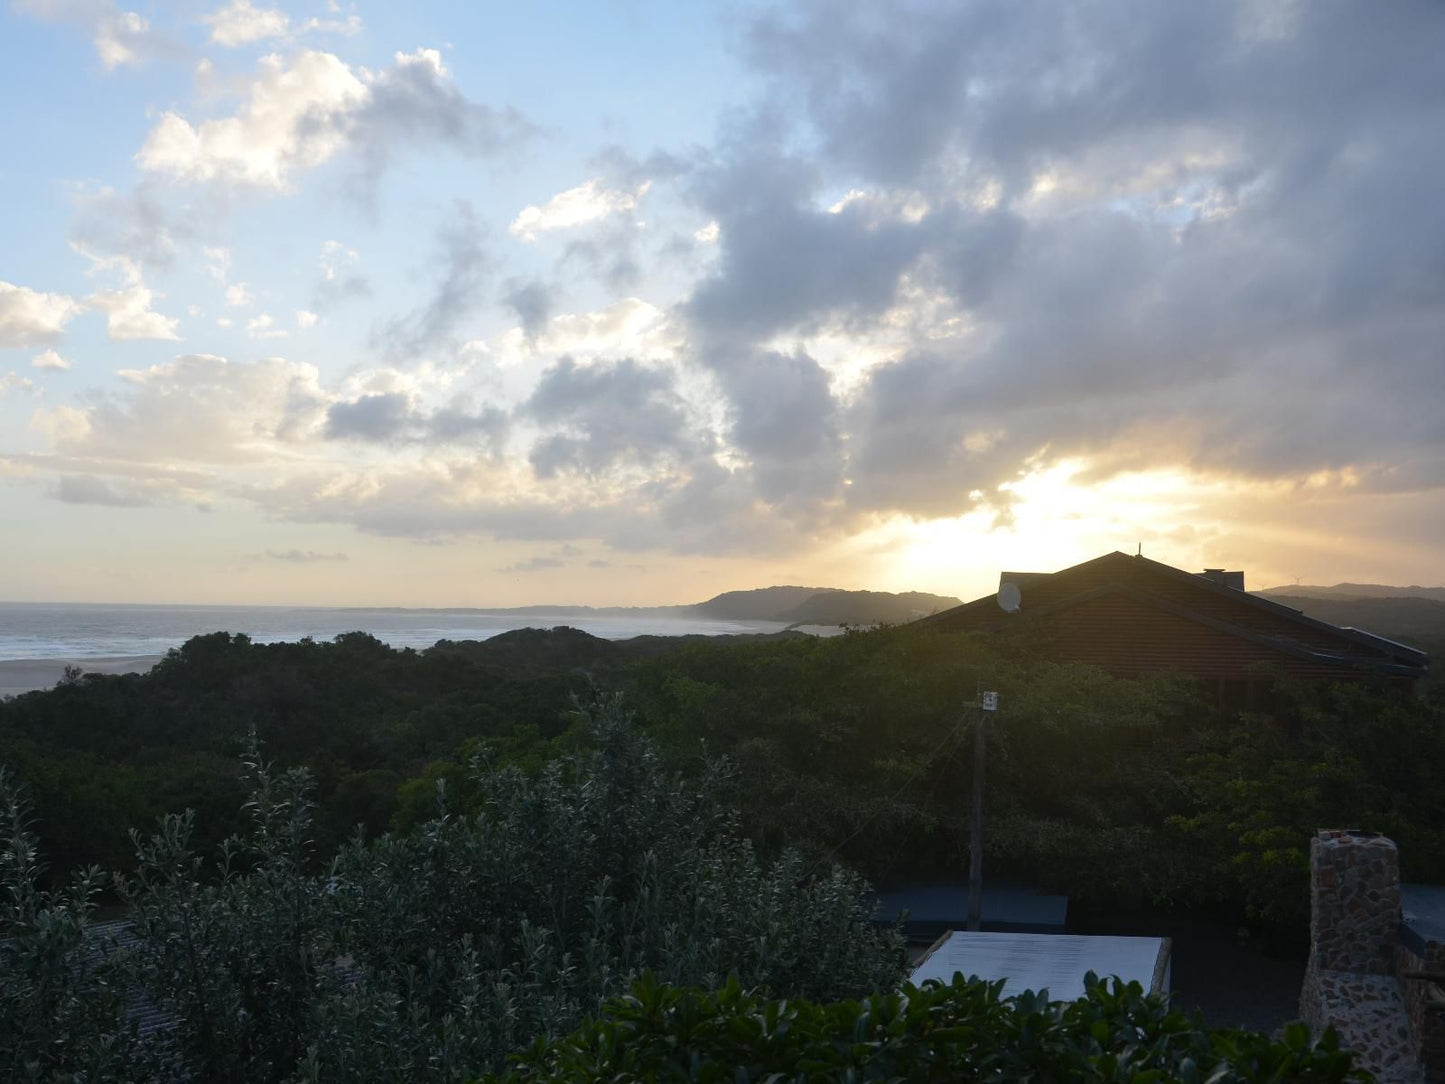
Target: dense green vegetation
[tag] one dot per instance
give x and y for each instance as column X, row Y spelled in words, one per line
column 962, row 1031
column 477, row 857
column 429, row 954
column 1123, row 793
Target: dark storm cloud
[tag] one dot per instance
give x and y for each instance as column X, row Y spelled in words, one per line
column 1201, row 235
column 606, row 414
column 785, row 263
column 786, row 420
column 378, row 417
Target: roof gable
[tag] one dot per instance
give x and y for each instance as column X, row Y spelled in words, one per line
column 1161, row 588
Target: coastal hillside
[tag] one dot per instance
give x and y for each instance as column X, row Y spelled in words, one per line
column 822, row 606
column 1351, row 591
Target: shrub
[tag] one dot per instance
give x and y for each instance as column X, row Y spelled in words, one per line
column 965, row 1030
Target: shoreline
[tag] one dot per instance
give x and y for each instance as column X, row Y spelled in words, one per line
column 28, row 675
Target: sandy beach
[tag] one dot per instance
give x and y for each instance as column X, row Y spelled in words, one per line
column 25, row 675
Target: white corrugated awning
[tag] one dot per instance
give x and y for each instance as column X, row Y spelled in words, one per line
column 1056, row 962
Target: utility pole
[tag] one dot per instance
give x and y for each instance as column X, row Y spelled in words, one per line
column 986, row 703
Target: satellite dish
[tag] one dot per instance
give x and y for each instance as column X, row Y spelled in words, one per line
column 1009, row 597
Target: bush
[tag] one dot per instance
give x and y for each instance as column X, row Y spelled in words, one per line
column 962, row 1031
column 434, row 954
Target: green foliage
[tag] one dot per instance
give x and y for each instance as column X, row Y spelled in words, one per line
column 61, row 1014
column 434, row 953
column 965, row 1030
column 1120, row 793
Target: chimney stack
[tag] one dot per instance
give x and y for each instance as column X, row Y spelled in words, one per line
column 1224, row 579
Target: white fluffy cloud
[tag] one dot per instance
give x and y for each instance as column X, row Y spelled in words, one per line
column 14, row 382
column 31, row 318
column 49, row 359
column 629, row 328
column 294, row 119
column 128, row 311
column 588, row 202
column 240, row 23
column 196, row 408
column 303, row 110
column 128, row 314
column 120, row 37
column 263, row 326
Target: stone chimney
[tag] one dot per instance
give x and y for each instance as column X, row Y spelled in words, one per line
column 1354, row 901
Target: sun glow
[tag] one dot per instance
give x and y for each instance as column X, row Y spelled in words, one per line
column 1049, row 518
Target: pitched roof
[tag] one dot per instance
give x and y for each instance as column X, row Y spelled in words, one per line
column 1159, row 612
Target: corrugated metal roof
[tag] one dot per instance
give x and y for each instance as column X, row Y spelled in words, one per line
column 1055, row 962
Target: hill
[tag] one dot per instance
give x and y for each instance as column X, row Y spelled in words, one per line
column 822, row 606
column 790, row 605
column 1350, row 591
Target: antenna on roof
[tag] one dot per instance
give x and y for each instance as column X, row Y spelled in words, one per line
column 1140, row 551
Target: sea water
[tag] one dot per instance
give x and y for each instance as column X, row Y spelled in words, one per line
column 94, row 631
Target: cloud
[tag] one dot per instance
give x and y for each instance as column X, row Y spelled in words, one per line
column 31, row 318
column 128, row 314
column 305, row 319
column 588, row 202
column 14, row 382
column 786, row 421
column 337, row 283
column 295, row 118
column 49, row 359
column 302, row 111
column 263, row 327
column 1188, row 244
column 540, row 563
column 299, row 557
column 120, row 37
column 466, row 268
column 609, row 415
column 88, row 489
column 377, row 417
column 196, row 408
column 396, row 417
column 240, row 23
column 630, row 327
column 238, row 296
column 136, row 225
column 532, row 302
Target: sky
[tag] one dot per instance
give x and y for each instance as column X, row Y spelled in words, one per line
column 622, row 302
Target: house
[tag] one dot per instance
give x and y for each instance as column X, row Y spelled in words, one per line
column 1131, row 615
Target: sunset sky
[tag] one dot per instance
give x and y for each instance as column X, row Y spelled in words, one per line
column 632, row 303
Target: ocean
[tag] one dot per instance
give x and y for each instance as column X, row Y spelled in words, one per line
column 79, row 631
